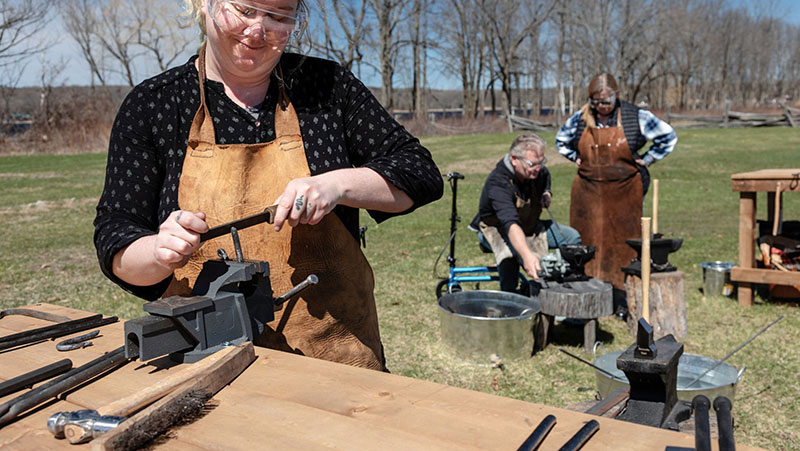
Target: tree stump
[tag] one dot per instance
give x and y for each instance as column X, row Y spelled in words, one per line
column 667, row 303
column 587, row 300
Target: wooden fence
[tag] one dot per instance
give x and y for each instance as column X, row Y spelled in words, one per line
column 790, row 118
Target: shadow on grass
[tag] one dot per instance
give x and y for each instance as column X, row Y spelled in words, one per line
column 566, row 333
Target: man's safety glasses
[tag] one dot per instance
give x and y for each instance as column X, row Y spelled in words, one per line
column 532, row 164
column 240, row 18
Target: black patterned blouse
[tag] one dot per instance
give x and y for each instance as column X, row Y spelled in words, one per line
column 342, row 124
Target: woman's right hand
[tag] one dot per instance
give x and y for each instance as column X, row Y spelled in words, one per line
column 178, row 238
column 578, row 162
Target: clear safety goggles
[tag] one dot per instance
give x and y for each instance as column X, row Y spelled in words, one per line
column 533, row 164
column 243, row 18
column 605, row 102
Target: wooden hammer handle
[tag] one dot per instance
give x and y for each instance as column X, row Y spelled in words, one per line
column 125, row 406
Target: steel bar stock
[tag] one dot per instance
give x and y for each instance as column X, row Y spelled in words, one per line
column 28, row 379
column 54, row 331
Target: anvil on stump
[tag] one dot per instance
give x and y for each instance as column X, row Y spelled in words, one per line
column 660, row 248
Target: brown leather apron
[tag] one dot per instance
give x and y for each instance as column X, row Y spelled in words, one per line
column 606, row 204
column 528, row 212
column 334, row 320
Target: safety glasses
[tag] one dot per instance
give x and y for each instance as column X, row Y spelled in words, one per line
column 605, row 102
column 243, row 18
column 532, row 164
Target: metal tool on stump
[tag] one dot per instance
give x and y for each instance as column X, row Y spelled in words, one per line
column 231, row 303
column 652, row 370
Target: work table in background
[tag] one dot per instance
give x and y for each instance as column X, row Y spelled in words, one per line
column 286, row 401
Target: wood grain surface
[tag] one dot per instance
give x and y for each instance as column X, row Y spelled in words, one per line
column 286, row 401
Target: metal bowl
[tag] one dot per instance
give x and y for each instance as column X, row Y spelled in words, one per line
column 476, row 324
column 721, row 381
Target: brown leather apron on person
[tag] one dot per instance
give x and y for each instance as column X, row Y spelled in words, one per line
column 606, row 204
column 528, row 212
column 334, row 320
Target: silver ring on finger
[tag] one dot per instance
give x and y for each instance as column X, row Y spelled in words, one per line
column 178, row 218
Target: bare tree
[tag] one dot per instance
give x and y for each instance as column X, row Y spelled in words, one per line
column 511, row 22
column 162, row 34
column 82, row 23
column 20, row 24
column 344, row 28
column 388, row 15
column 10, row 77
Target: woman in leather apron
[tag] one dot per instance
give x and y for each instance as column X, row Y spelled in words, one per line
column 603, row 139
column 226, row 170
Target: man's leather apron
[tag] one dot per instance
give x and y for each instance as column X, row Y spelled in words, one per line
column 606, row 204
column 535, row 233
column 334, row 320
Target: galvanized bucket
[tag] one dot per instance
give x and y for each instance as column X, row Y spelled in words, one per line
column 721, row 381
column 476, row 324
column 717, row 278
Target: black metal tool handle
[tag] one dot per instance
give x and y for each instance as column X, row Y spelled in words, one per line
column 702, row 431
column 538, row 435
column 722, row 406
column 58, row 330
column 268, row 216
column 28, row 379
column 72, row 378
column 582, row 436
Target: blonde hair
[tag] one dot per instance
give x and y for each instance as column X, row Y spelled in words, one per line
column 194, row 12
column 600, row 83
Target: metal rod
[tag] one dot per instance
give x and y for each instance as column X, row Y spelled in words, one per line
column 34, row 314
column 558, row 227
column 538, row 435
column 65, row 324
column 237, row 245
column 582, row 436
column 11, row 409
column 34, row 335
column 588, row 363
column 722, row 406
column 28, row 379
column 702, row 431
column 310, row 280
column 734, row 351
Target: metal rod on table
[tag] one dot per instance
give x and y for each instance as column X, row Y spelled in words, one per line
column 588, row 363
column 58, row 326
column 582, row 436
column 722, row 406
column 702, row 430
column 35, row 335
column 538, row 435
column 28, row 379
column 734, row 351
column 13, row 408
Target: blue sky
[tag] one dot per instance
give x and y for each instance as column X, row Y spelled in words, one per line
column 76, row 71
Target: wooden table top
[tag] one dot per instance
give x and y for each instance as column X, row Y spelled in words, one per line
column 287, row 401
column 766, row 180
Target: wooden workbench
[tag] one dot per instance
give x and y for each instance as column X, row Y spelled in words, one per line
column 286, row 401
column 748, row 184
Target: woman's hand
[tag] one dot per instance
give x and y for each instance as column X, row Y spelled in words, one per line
column 178, row 238
column 640, row 162
column 307, row 200
column 153, row 258
column 578, row 162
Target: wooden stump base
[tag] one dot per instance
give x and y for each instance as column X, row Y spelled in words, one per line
column 587, row 300
column 667, row 303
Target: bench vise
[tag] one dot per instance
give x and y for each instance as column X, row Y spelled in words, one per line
column 231, row 303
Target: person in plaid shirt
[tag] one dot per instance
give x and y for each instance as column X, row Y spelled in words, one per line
column 604, row 139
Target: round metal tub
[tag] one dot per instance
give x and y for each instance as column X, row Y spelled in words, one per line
column 476, row 324
column 719, row 382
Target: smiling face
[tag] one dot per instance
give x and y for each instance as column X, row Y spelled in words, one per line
column 245, row 41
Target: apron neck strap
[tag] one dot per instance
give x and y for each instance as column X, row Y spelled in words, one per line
column 203, row 130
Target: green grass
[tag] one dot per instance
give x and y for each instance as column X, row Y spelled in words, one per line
column 46, row 255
